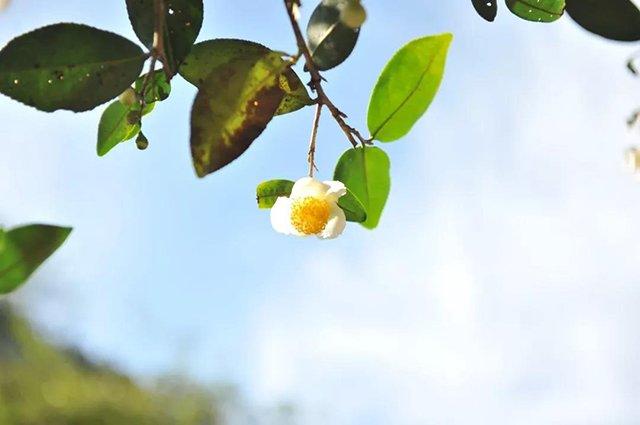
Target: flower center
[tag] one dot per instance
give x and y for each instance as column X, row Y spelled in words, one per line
column 310, row 215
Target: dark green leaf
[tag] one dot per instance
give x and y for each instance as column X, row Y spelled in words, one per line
column 268, row 192
column 365, row 172
column 115, row 126
column 406, row 87
column 353, row 209
column 68, row 66
column 183, row 20
column 233, row 107
column 330, row 41
column 208, row 55
column 613, row 19
column 24, row 249
column 488, row 9
column 537, row 10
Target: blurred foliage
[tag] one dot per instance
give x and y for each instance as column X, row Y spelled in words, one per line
column 42, row 384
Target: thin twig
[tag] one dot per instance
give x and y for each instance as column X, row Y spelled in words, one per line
column 316, row 80
column 312, row 144
column 158, row 38
column 157, row 53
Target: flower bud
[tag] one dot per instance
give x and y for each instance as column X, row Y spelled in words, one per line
column 353, row 15
column 128, row 97
column 142, row 142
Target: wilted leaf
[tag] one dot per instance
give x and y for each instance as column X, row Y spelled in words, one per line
column 24, row 249
column 330, row 41
column 68, row 66
column 183, row 20
column 406, row 87
column 613, row 19
column 537, row 10
column 208, row 55
column 488, row 9
column 233, row 107
column 365, row 172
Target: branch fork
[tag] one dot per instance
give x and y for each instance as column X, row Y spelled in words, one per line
column 316, row 86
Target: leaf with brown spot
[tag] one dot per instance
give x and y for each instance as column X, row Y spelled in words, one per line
column 68, row 66
column 211, row 54
column 233, row 107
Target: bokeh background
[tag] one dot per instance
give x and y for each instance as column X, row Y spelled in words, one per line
column 502, row 284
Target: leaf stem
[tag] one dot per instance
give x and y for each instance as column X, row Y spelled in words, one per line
column 316, row 81
column 312, row 144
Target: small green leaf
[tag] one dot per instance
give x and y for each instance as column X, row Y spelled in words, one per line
column 183, row 20
column 211, row 54
column 487, row 9
column 268, row 192
column 330, row 41
column 233, row 107
column 158, row 89
column 613, row 19
column 296, row 95
column 537, row 10
column 406, row 87
column 353, row 209
column 365, row 172
column 115, row 126
column 68, row 66
column 24, row 249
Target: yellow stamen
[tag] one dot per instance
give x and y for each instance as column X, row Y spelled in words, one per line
column 310, row 215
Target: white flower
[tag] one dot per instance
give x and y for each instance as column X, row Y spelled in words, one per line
column 311, row 209
column 632, row 158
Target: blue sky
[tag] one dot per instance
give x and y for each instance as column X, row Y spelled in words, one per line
column 500, row 288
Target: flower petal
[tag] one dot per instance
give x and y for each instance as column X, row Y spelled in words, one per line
column 335, row 226
column 281, row 217
column 308, row 186
column 336, row 190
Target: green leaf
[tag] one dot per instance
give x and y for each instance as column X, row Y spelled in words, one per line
column 183, row 20
column 613, row 19
column 353, row 209
column 330, row 41
column 24, row 249
column 487, row 9
column 296, row 95
column 537, row 10
column 211, row 54
column 365, row 172
column 268, row 193
column 158, row 89
column 68, row 66
column 406, row 87
column 233, row 107
column 115, row 127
